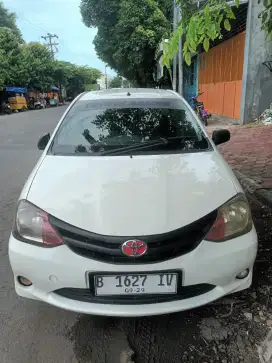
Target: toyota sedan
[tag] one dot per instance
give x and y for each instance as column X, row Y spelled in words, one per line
column 131, row 211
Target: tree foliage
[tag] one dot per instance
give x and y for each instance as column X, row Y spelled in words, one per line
column 9, row 56
column 31, row 64
column 36, row 65
column 201, row 26
column 8, row 20
column 266, row 16
column 116, row 82
column 74, row 78
column 129, row 32
column 79, row 77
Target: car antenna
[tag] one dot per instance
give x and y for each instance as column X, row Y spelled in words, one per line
column 128, row 94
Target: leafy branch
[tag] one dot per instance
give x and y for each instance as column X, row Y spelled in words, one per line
column 266, row 16
column 199, row 26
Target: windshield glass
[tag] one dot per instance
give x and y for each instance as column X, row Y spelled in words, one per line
column 129, row 126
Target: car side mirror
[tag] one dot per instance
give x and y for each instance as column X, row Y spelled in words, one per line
column 220, row 136
column 43, row 141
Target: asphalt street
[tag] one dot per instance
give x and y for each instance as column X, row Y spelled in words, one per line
column 29, row 331
column 33, row 332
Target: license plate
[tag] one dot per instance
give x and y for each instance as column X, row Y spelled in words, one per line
column 135, row 284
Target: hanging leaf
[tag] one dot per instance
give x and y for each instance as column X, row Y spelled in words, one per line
column 206, row 44
column 188, row 59
column 207, row 12
column 264, row 17
column 220, row 19
column 230, row 14
column 193, row 45
column 237, row 3
column 227, row 25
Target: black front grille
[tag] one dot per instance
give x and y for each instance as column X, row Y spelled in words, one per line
column 161, row 247
column 85, row 295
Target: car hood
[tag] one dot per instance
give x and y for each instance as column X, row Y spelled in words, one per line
column 130, row 196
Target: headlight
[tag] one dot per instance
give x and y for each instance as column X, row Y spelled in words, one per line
column 234, row 219
column 32, row 225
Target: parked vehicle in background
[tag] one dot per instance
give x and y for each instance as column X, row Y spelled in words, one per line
column 16, row 98
column 200, row 110
column 6, row 109
column 39, row 105
column 131, row 210
column 36, row 104
column 54, row 102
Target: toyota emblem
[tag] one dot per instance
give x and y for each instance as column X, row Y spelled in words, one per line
column 134, row 248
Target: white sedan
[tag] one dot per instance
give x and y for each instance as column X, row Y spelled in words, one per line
column 131, row 211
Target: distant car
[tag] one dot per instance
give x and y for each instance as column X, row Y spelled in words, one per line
column 131, row 211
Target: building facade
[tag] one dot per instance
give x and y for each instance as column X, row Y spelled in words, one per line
column 235, row 75
column 220, row 76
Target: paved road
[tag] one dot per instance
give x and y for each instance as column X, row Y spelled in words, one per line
column 29, row 331
column 32, row 332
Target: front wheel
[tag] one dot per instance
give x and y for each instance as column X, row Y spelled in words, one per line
column 205, row 120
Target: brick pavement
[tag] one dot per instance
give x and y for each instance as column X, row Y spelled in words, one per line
column 250, row 151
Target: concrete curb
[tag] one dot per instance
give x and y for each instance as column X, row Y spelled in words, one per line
column 250, row 186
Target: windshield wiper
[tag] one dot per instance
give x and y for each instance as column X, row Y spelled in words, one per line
column 145, row 145
column 140, row 146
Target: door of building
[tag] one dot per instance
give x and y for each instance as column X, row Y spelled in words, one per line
column 190, row 80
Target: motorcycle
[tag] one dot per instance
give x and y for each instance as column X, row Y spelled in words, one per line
column 200, row 109
column 36, row 105
column 7, row 110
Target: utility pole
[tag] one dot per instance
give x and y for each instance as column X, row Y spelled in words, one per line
column 180, row 57
column 175, row 55
column 106, row 76
column 51, row 45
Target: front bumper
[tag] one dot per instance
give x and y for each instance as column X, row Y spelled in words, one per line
column 58, row 268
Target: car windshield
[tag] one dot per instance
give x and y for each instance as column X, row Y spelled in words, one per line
column 129, row 126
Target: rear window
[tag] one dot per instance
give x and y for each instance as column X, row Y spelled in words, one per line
column 129, row 126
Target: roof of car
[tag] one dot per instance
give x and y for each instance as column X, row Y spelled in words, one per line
column 128, row 92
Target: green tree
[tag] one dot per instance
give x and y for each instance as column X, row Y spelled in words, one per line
column 62, row 72
column 266, row 16
column 81, row 77
column 200, row 26
column 9, row 56
column 75, row 78
column 31, row 64
column 36, row 66
column 129, row 32
column 116, row 82
column 8, row 20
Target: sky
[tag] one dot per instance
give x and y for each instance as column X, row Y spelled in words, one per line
column 61, row 17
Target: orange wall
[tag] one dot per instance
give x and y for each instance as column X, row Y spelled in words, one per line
column 220, row 77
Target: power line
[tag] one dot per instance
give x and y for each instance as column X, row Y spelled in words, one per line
column 21, row 17
column 51, row 45
column 31, row 24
